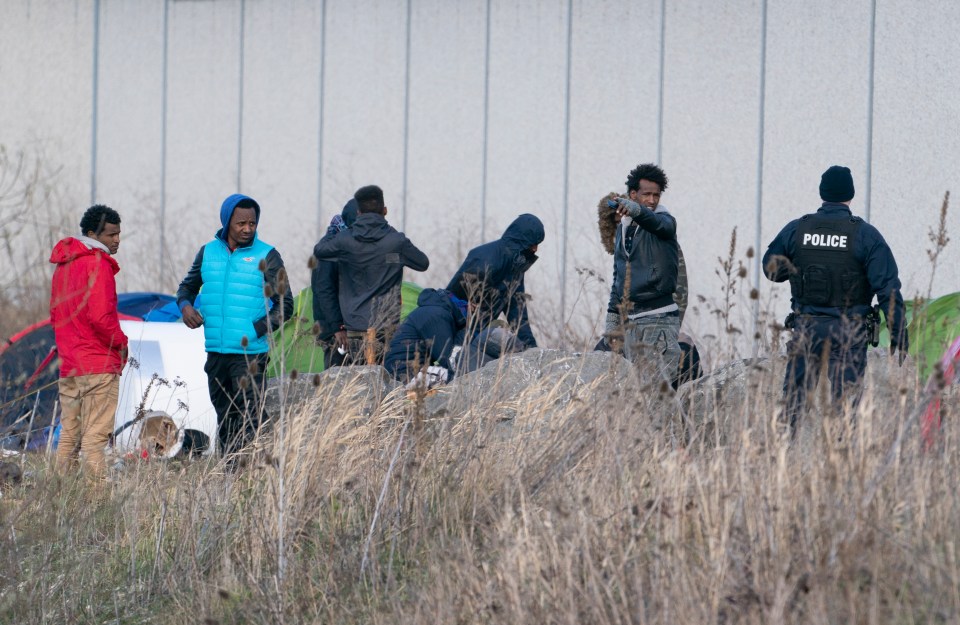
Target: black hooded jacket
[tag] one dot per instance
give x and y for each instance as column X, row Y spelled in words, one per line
column 429, row 334
column 491, row 277
column 371, row 256
column 325, row 279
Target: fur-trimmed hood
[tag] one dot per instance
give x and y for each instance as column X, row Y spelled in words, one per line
column 607, row 221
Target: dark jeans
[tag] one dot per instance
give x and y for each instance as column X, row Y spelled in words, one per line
column 237, row 384
column 331, row 357
column 841, row 345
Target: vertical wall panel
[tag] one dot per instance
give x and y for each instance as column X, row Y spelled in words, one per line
column 281, row 96
column 46, row 65
column 445, row 133
column 525, row 167
column 615, row 84
column 916, row 142
column 128, row 159
column 203, row 109
column 710, row 140
column 817, row 86
column 363, row 102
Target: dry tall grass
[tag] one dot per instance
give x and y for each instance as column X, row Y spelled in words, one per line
column 583, row 508
column 579, row 512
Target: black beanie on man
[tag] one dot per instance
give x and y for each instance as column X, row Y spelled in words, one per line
column 836, row 185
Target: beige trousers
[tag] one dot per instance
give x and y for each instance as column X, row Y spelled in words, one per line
column 88, row 404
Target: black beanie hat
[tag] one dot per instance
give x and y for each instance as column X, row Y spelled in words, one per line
column 349, row 212
column 836, row 185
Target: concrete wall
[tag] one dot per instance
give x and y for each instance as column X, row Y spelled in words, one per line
column 469, row 113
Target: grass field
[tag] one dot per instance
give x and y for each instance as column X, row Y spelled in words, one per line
column 584, row 511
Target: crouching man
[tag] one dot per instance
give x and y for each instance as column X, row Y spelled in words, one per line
column 491, row 278
column 425, row 346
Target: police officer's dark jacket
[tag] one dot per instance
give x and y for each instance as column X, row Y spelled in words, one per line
column 649, row 245
column 835, row 263
column 492, row 276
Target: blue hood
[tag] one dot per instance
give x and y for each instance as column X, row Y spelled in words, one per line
column 229, row 204
column 525, row 232
column 442, row 298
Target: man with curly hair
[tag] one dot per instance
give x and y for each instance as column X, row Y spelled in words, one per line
column 642, row 313
column 90, row 343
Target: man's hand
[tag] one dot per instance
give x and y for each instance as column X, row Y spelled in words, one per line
column 192, row 317
column 340, row 339
column 612, row 330
column 628, row 208
column 901, row 346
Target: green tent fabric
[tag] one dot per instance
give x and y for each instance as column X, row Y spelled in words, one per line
column 294, row 343
column 933, row 330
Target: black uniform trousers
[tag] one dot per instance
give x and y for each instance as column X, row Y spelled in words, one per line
column 237, row 385
column 840, row 344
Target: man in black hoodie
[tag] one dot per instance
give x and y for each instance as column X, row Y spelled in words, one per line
column 491, row 279
column 370, row 259
column 428, row 337
column 325, row 284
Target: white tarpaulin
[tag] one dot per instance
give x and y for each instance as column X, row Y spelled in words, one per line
column 164, row 374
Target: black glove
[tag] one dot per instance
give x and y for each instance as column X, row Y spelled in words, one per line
column 901, row 345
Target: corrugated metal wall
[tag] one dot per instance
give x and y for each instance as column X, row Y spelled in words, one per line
column 469, row 113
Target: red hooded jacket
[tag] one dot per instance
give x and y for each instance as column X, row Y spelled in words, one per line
column 83, row 310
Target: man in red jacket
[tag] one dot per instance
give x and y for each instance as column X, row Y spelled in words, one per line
column 92, row 347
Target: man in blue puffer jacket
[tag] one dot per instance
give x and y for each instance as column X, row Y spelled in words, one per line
column 428, row 336
column 245, row 297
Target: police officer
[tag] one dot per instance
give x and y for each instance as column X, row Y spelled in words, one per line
column 835, row 263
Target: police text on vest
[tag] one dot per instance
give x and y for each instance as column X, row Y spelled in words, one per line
column 825, row 240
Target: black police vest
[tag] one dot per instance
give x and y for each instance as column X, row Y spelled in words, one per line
column 827, row 272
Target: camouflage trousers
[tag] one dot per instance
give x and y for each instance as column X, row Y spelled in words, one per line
column 651, row 344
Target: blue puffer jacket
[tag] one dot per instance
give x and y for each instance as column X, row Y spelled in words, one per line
column 493, row 274
column 233, row 297
column 429, row 333
column 234, row 305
